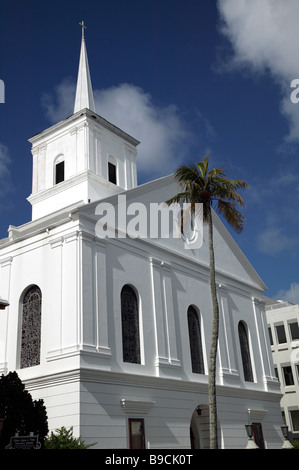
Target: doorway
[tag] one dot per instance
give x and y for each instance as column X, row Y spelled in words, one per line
column 200, row 428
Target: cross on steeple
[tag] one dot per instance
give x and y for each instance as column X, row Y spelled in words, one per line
column 83, row 27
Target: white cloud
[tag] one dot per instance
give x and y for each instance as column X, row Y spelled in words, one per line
column 161, row 131
column 274, row 198
column 290, row 295
column 62, row 105
column 264, row 35
column 273, row 240
column 4, row 162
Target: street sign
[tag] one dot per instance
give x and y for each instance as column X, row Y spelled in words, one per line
column 24, row 442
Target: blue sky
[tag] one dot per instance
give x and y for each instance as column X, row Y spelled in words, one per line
column 186, row 78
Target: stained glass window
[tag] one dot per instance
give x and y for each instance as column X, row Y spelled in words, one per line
column 130, row 325
column 245, row 352
column 31, row 328
column 195, row 341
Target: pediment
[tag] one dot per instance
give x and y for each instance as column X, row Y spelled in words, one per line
column 229, row 258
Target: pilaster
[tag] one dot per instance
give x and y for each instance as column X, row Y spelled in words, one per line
column 100, row 293
column 227, row 350
column 265, row 358
column 5, row 278
column 166, row 338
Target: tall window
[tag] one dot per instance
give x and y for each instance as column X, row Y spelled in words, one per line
column 31, row 328
column 270, row 335
column 130, row 325
column 59, row 169
column 294, row 329
column 281, row 334
column 195, row 341
column 288, row 375
column 245, row 352
column 112, row 173
column 295, row 419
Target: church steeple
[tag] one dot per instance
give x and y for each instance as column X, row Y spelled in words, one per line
column 83, row 158
column 84, row 94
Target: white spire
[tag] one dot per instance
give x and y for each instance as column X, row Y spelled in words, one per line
column 84, row 93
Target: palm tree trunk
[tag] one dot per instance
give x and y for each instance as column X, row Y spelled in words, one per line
column 214, row 341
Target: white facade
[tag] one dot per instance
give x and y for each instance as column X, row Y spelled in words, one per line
column 283, row 321
column 81, row 374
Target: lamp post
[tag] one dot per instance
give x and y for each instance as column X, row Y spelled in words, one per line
column 285, row 433
column 3, row 304
column 251, row 444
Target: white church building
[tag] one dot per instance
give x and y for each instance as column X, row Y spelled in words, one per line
column 113, row 333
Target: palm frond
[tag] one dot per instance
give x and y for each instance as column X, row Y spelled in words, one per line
column 178, row 198
column 226, row 189
column 203, row 166
column 234, row 217
column 187, row 174
column 199, row 185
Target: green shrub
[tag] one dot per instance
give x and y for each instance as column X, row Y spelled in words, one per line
column 64, row 439
column 295, row 444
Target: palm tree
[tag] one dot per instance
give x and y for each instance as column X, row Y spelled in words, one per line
column 208, row 187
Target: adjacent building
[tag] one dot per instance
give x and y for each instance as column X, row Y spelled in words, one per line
column 283, row 321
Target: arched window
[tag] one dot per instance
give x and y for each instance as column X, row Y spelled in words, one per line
column 245, row 352
column 195, row 341
column 31, row 327
column 130, row 325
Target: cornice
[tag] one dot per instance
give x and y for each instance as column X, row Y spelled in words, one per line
column 136, row 406
column 76, row 119
column 58, row 188
column 148, row 382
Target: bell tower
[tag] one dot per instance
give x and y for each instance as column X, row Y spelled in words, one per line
column 83, row 158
